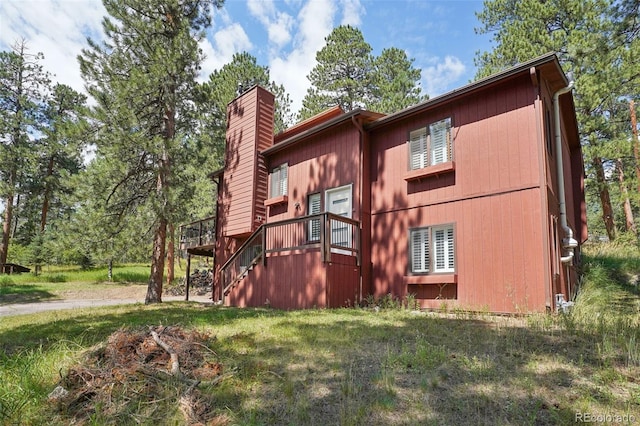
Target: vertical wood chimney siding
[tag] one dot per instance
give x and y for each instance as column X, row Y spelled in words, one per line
column 244, row 188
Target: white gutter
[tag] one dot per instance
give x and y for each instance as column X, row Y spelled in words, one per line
column 568, row 243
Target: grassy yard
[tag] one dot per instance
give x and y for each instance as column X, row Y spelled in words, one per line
column 354, row 366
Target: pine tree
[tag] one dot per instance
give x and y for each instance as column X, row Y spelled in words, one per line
column 395, row 83
column 60, row 149
column 348, row 75
column 224, row 85
column 23, row 89
column 142, row 78
column 598, row 43
column 343, row 74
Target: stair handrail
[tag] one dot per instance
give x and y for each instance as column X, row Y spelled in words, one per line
column 239, row 252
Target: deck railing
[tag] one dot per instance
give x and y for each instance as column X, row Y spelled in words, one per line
column 199, row 233
column 326, row 232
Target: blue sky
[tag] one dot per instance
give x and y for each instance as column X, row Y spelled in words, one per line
column 282, row 34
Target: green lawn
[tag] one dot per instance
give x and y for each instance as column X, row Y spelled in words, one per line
column 69, row 282
column 352, row 366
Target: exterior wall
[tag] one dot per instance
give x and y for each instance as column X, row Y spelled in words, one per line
column 563, row 277
column 243, row 187
column 249, row 129
column 498, row 247
column 325, row 161
column 500, row 195
column 492, row 198
column 307, row 283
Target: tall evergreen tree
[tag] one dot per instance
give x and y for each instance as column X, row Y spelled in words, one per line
column 60, row 149
column 395, row 82
column 343, row 73
column 598, row 42
column 224, row 85
column 142, row 78
column 23, row 88
column 62, row 145
column 348, row 75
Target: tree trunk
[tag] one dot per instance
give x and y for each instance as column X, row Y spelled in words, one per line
column 636, row 142
column 628, row 213
column 8, row 220
column 154, row 290
column 45, row 203
column 16, row 217
column 605, row 199
column 6, row 230
column 171, row 255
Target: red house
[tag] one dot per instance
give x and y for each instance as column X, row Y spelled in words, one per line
column 473, row 199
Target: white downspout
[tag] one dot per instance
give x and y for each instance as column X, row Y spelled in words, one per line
column 568, row 243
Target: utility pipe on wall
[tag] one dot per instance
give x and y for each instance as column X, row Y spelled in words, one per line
column 568, row 243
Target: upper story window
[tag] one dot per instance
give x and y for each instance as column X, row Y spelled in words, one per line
column 432, row 249
column 279, row 180
column 431, row 145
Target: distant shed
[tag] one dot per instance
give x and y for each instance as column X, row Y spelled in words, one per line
column 12, row 268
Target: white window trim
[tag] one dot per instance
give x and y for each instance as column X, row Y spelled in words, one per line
column 432, row 249
column 424, row 150
column 279, row 180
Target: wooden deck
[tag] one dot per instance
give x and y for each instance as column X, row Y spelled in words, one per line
column 306, row 262
column 199, row 237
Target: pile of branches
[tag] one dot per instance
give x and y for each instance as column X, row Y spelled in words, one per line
column 143, row 375
column 200, row 283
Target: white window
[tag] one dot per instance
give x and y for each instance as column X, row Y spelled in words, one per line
column 314, row 224
column 279, row 180
column 430, row 145
column 432, row 249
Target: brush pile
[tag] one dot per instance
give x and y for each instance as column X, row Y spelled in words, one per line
column 137, row 374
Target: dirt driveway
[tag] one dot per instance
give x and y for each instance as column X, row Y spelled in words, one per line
column 87, row 299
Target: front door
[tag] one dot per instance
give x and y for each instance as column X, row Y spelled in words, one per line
column 339, row 201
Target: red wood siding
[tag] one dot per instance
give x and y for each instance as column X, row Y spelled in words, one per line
column 495, row 150
column 498, row 247
column 492, row 198
column 562, row 281
column 326, row 161
column 264, row 141
column 343, row 281
column 250, row 129
column 298, row 281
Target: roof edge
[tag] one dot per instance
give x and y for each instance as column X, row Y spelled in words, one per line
column 318, row 128
column 476, row 85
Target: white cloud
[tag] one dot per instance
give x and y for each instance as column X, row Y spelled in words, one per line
column 56, row 28
column 352, row 12
column 278, row 24
column 315, row 23
column 227, row 41
column 441, row 75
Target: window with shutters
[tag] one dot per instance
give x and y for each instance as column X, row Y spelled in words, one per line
column 432, row 249
column 314, row 224
column 279, row 180
column 431, row 145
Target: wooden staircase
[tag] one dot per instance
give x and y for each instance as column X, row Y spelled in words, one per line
column 242, row 262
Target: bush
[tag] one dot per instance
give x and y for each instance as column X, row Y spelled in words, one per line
column 6, row 281
column 55, row 278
